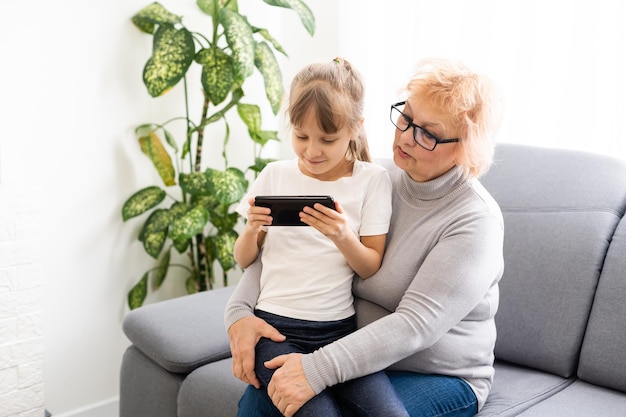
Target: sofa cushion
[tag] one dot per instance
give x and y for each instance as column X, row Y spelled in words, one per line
column 167, row 332
column 581, row 400
column 603, row 356
column 556, row 234
column 142, row 378
column 516, row 389
column 210, row 387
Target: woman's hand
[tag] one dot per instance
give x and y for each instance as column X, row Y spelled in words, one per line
column 244, row 334
column 289, row 388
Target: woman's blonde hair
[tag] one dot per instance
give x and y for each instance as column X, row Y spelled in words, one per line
column 472, row 101
column 335, row 91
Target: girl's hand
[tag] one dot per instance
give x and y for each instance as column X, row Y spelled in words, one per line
column 289, row 388
column 331, row 223
column 257, row 217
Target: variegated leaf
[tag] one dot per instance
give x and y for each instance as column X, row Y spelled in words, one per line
column 298, row 6
column 211, row 7
column 190, row 224
column 173, row 51
column 142, row 201
column 266, row 35
column 266, row 63
column 158, row 221
column 239, row 38
column 223, row 244
column 251, row 116
column 153, row 243
column 218, row 73
column 161, row 272
column 227, row 186
column 195, row 183
column 137, row 294
column 152, row 146
column 153, row 14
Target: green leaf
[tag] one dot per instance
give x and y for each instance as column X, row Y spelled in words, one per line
column 142, row 201
column 239, row 38
column 266, row 63
column 259, row 164
column 152, row 146
column 170, row 140
column 211, row 7
column 218, row 74
column 266, row 35
column 227, row 186
column 190, row 224
column 263, row 136
column 306, row 15
column 224, row 222
column 251, row 116
column 195, row 183
column 181, row 245
column 172, row 53
column 191, row 284
column 154, row 14
column 153, row 243
column 137, row 294
column 178, row 209
column 161, row 272
column 154, row 232
column 223, row 244
column 158, row 221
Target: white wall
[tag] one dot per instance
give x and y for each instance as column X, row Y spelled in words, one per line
column 72, row 97
column 73, row 92
column 561, row 63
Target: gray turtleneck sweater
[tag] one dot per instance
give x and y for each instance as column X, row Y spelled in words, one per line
column 430, row 308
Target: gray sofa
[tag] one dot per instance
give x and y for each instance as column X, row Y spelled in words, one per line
column 561, row 348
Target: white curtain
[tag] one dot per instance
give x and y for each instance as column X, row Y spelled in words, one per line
column 561, row 64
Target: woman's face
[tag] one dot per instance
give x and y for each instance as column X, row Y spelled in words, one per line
column 423, row 165
column 321, row 155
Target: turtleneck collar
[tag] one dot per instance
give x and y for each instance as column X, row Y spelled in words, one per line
column 449, row 183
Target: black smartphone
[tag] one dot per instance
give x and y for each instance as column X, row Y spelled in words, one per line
column 286, row 208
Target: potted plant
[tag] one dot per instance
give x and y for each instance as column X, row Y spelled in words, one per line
column 197, row 218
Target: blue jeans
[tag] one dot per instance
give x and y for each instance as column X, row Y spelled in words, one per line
column 423, row 396
column 369, row 396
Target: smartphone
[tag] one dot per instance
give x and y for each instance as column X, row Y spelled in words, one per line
column 286, row 208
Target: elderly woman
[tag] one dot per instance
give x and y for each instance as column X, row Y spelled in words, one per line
column 427, row 316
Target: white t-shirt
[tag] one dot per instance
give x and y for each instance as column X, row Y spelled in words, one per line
column 304, row 274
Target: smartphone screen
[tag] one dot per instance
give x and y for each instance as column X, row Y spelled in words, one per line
column 286, row 208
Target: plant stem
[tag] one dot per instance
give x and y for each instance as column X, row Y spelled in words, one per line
column 205, row 111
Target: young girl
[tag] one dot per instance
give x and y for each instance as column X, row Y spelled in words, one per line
column 306, row 283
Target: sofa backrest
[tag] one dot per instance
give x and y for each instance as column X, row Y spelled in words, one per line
column 560, row 211
column 603, row 356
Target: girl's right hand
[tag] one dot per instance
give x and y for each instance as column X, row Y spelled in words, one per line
column 257, row 217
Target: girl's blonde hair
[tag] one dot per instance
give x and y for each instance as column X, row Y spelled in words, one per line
column 472, row 101
column 335, row 91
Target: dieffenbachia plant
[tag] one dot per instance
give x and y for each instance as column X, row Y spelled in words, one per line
column 199, row 218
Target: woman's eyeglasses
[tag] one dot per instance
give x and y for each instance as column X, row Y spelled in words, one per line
column 421, row 136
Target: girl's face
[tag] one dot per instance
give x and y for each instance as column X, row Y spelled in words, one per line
column 321, row 155
column 423, row 165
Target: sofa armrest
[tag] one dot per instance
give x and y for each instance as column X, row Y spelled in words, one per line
column 183, row 333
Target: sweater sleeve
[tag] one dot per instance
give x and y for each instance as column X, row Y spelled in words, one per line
column 453, row 279
column 243, row 300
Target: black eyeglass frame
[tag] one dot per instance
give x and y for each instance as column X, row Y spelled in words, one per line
column 415, row 127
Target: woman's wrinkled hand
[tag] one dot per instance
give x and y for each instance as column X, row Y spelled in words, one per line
column 244, row 334
column 289, row 388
